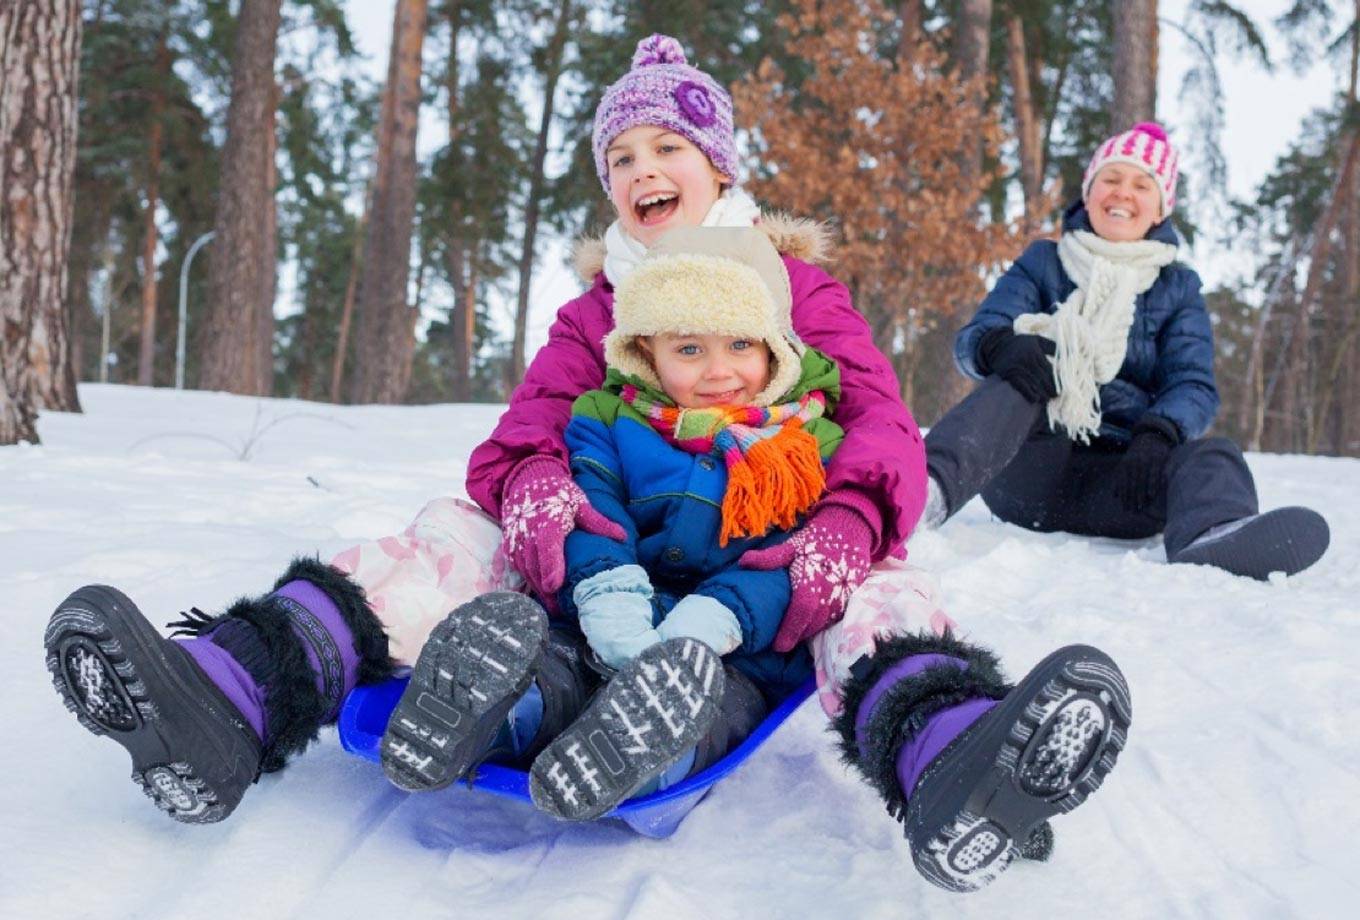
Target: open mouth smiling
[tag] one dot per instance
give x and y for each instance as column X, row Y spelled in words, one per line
column 656, row 207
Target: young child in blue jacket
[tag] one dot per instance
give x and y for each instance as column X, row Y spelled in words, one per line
column 1097, row 355
column 706, row 441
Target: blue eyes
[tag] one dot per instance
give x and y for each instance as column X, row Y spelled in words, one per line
column 628, row 158
column 691, row 351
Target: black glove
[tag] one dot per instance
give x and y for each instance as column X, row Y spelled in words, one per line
column 1020, row 360
column 1141, row 472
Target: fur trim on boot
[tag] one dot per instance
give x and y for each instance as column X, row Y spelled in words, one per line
column 905, row 708
column 258, row 633
column 370, row 641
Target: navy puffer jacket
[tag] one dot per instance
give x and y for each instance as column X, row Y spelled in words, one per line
column 1169, row 366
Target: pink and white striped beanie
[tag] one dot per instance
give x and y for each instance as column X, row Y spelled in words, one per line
column 1147, row 147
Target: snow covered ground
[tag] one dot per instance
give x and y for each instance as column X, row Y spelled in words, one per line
column 1237, row 797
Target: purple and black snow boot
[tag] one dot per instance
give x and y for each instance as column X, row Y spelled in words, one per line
column 203, row 717
column 972, row 767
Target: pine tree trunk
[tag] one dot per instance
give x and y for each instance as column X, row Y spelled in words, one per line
column 1299, row 416
column 356, row 258
column 552, row 70
column 971, row 54
column 146, row 353
column 1348, row 430
column 382, row 337
column 1026, row 120
column 909, row 15
column 39, row 71
column 465, row 335
column 242, row 259
column 458, row 256
column 1135, row 63
column 264, row 316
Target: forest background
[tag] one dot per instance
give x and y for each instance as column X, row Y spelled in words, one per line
column 383, row 238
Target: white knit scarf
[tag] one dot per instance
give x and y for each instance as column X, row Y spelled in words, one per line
column 1091, row 327
column 734, row 208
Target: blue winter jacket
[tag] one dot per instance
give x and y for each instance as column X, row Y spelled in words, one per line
column 1169, row 366
column 669, row 503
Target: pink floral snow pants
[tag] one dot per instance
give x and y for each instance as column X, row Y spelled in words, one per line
column 451, row 553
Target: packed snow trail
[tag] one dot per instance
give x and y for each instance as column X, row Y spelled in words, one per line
column 1238, row 795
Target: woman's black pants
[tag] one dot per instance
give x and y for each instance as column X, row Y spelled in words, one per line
column 998, row 444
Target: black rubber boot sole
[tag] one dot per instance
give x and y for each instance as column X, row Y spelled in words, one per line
column 1038, row 753
column 1285, row 540
column 653, row 710
column 472, row 670
column 192, row 752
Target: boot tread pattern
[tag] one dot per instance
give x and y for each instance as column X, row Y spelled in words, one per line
column 470, row 672
column 99, row 683
column 652, row 711
column 1055, row 754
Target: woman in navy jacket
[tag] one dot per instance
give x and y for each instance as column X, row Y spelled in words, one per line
column 1092, row 412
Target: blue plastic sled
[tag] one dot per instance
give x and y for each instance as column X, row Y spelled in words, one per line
column 365, row 713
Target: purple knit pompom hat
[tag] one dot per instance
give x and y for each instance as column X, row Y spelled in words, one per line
column 1146, row 147
column 662, row 89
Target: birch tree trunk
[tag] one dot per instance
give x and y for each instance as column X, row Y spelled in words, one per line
column 242, row 259
column 384, row 333
column 39, row 71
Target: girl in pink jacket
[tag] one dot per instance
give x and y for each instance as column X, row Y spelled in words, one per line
column 971, row 765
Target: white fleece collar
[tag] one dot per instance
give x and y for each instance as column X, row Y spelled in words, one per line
column 734, row 208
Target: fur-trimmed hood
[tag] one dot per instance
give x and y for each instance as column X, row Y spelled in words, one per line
column 798, row 237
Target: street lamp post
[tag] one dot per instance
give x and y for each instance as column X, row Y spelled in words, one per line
column 183, row 303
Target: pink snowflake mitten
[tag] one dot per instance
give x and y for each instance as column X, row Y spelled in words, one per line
column 827, row 559
column 542, row 505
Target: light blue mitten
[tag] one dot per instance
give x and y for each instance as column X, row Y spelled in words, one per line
column 615, row 610
column 698, row 616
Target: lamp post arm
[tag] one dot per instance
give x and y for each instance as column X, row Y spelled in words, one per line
column 183, row 304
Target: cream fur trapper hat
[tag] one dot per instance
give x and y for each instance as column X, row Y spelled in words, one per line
column 714, row 281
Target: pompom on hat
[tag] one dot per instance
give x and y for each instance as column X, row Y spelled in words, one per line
column 1146, row 147
column 662, row 89
column 708, row 281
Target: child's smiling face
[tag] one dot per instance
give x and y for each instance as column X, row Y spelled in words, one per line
column 1124, row 203
column 701, row 371
column 657, row 180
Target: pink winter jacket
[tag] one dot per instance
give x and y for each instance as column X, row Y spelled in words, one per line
column 880, row 468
